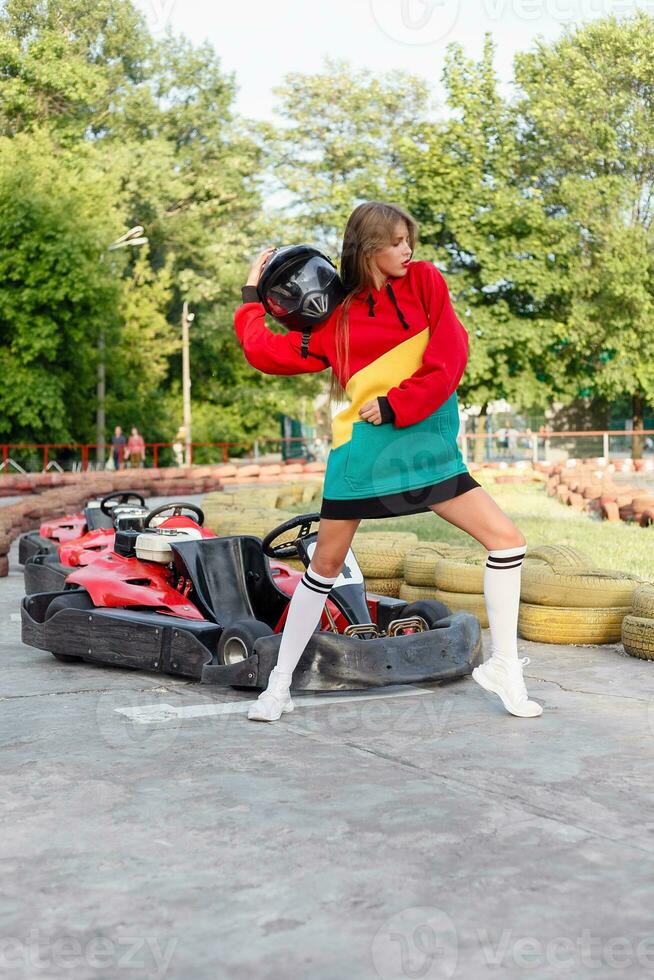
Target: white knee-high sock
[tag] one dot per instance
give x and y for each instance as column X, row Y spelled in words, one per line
column 502, row 574
column 304, row 612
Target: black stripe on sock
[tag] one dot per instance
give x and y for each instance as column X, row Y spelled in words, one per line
column 507, row 558
column 317, row 582
column 501, row 568
column 308, row 585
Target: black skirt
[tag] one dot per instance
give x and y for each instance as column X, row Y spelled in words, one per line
column 398, row 504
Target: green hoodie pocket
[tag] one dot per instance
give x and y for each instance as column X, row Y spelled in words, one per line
column 385, row 459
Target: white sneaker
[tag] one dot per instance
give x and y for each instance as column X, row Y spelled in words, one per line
column 273, row 702
column 506, row 680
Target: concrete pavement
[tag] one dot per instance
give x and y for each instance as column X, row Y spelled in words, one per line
column 429, row 835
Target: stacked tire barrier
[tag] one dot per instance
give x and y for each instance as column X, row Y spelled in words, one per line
column 452, row 574
column 259, row 509
column 564, row 599
column 638, row 625
column 589, row 487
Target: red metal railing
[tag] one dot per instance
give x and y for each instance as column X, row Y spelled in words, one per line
column 85, row 450
column 532, row 440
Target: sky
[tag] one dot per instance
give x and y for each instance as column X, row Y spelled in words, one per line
column 261, row 41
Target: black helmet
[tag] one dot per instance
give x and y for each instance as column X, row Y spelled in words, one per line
column 300, row 287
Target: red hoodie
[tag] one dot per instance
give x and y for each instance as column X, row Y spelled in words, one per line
column 412, row 316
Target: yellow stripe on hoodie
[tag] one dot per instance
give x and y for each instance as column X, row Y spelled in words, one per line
column 375, row 379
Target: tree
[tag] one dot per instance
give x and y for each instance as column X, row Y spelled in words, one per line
column 482, row 220
column 588, row 112
column 340, row 145
column 55, row 221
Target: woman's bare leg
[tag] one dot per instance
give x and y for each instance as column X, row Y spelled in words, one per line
column 334, row 539
column 477, row 513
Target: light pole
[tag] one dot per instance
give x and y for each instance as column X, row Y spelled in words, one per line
column 132, row 237
column 187, row 319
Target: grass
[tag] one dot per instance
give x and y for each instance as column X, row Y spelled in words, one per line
column 543, row 520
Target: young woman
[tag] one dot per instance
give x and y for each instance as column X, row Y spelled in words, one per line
column 397, row 352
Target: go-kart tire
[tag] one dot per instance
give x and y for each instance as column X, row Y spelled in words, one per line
column 237, row 641
column 75, row 599
column 431, row 610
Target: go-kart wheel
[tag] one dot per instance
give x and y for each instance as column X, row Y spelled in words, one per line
column 430, row 610
column 75, row 599
column 289, row 548
column 121, row 497
column 237, row 641
column 177, row 509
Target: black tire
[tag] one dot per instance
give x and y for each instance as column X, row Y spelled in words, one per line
column 75, row 599
column 237, row 641
column 431, row 610
column 66, row 658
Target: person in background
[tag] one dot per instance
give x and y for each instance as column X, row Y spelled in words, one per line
column 118, row 448
column 135, row 448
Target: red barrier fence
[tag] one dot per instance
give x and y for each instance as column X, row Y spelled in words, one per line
column 582, row 444
column 86, row 450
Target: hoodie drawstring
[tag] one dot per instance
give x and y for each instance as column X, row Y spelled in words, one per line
column 371, row 305
column 397, row 308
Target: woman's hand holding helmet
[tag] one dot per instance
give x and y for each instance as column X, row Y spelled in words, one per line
column 255, row 271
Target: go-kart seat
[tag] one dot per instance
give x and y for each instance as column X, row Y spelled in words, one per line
column 96, row 520
column 231, row 579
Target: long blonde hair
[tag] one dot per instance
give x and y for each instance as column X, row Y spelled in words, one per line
column 370, row 227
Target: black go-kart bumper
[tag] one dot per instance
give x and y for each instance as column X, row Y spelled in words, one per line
column 331, row 661
column 45, row 573
column 31, row 544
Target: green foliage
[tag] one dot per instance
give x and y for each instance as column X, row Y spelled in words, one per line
column 538, row 209
column 56, row 295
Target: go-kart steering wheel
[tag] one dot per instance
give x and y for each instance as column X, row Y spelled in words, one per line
column 177, row 509
column 289, row 548
column 122, row 497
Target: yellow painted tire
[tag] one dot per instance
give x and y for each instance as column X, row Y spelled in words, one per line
column 462, row 575
column 590, row 588
column 643, row 601
column 384, row 586
column 380, row 560
column 420, row 562
column 638, row 637
column 413, row 592
column 559, row 556
column 556, row 624
column 399, row 537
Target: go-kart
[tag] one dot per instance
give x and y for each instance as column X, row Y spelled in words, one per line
column 213, row 609
column 48, row 570
column 97, row 515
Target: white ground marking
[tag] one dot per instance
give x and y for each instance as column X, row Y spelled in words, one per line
column 148, row 714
